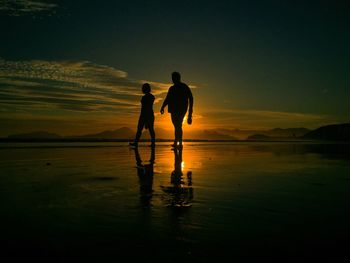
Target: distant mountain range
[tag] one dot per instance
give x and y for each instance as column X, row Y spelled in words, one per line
column 127, row 133
column 288, row 133
column 35, row 135
column 258, row 137
column 329, row 132
column 122, row 133
column 335, row 132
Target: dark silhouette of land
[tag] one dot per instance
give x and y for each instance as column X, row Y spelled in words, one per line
column 336, row 132
column 35, row 135
column 121, row 133
column 258, row 137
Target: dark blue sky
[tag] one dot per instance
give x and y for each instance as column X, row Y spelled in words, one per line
column 269, row 56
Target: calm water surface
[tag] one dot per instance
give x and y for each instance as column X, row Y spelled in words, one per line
column 208, row 201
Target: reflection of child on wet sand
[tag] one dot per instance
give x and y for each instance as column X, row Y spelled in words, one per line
column 145, row 174
column 146, row 119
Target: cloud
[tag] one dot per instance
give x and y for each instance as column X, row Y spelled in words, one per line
column 69, row 85
column 263, row 119
column 20, row 7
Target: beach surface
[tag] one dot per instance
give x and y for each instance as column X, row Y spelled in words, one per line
column 283, row 201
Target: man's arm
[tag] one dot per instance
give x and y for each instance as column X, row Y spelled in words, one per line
column 165, row 102
column 190, row 99
column 190, row 109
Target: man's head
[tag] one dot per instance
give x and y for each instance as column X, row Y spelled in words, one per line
column 176, row 77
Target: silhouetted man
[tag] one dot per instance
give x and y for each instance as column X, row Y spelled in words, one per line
column 178, row 100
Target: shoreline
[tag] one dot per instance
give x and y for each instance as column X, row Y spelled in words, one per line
column 75, row 140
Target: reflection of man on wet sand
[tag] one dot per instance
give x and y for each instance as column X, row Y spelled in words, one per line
column 145, row 174
column 180, row 193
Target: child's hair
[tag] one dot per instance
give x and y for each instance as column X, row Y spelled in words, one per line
column 146, row 88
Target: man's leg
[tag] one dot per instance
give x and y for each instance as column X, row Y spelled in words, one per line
column 174, row 121
column 179, row 130
column 177, row 120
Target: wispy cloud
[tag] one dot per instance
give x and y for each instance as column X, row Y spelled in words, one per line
column 263, row 119
column 20, row 7
column 69, row 85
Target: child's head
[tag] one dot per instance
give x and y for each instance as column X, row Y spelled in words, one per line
column 146, row 88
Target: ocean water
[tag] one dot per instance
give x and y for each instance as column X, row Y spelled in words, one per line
column 208, row 201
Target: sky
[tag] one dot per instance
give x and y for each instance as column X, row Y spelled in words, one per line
column 76, row 67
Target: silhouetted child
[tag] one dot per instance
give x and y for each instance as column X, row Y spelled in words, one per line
column 146, row 119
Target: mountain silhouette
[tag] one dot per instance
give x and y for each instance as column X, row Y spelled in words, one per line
column 121, row 133
column 258, row 137
column 35, row 135
column 288, row 132
column 335, row 132
column 214, row 135
column 276, row 133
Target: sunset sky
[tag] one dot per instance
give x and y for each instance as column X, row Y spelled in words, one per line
column 76, row 67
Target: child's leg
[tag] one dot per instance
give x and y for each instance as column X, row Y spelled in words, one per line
column 151, row 131
column 140, row 125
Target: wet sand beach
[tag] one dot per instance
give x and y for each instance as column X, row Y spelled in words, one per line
column 210, row 201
